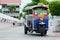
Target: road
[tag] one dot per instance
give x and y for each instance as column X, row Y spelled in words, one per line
column 17, row 33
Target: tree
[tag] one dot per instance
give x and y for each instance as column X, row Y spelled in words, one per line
column 44, row 2
column 29, row 4
column 35, row 2
column 56, row 0
column 54, row 7
column 0, row 10
column 12, row 8
column 40, row 1
column 20, row 16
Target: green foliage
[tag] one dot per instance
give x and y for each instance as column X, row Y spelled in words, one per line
column 24, row 16
column 0, row 10
column 35, row 2
column 29, row 4
column 12, row 8
column 41, row 1
column 54, row 7
column 44, row 2
column 20, row 16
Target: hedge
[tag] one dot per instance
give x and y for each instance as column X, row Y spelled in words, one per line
column 0, row 11
column 20, row 16
column 54, row 7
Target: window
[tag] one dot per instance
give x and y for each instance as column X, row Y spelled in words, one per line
column 40, row 10
column 17, row 6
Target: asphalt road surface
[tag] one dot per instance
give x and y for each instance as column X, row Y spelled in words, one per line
column 17, row 33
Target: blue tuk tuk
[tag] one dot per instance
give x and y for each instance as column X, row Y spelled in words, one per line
column 36, row 19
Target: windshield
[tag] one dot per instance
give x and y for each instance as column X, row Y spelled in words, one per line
column 40, row 11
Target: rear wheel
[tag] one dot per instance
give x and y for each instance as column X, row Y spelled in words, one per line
column 45, row 32
column 25, row 30
column 42, row 34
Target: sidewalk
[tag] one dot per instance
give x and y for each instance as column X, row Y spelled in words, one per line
column 53, row 34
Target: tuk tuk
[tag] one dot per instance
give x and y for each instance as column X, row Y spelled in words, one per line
column 36, row 19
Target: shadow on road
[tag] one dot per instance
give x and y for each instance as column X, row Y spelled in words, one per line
column 34, row 35
column 38, row 35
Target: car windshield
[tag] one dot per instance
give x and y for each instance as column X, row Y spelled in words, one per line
column 40, row 11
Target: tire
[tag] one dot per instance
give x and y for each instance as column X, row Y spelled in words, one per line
column 25, row 30
column 42, row 34
column 45, row 32
column 42, row 31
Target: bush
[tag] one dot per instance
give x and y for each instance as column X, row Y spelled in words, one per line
column 24, row 16
column 29, row 4
column 20, row 16
column 35, row 2
column 12, row 8
column 0, row 11
column 54, row 7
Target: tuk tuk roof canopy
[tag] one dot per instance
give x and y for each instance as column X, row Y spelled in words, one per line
column 31, row 7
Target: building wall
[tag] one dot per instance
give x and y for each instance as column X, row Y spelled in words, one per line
column 6, row 3
column 5, row 8
column 6, row 11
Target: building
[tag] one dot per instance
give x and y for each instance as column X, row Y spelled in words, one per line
column 6, row 3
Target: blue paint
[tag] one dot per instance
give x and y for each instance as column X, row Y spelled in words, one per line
column 46, row 22
column 36, row 23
